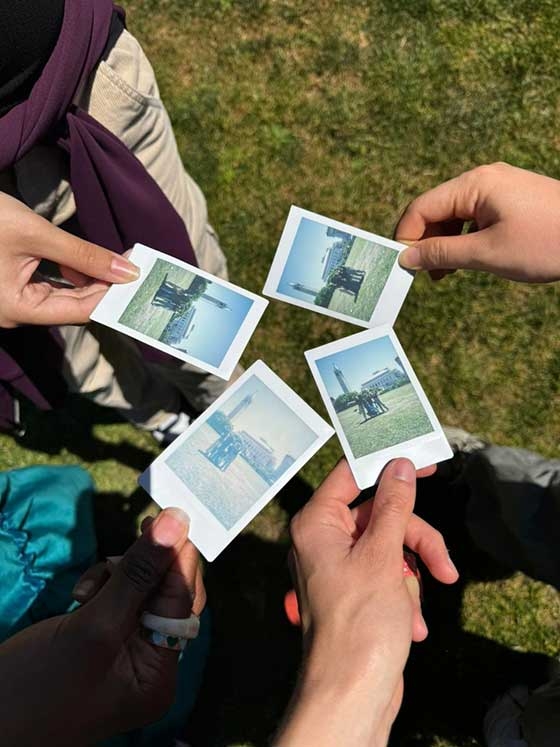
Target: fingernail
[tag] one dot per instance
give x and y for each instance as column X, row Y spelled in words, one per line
column 114, row 559
column 410, row 258
column 169, row 527
column 404, row 470
column 83, row 588
column 124, row 270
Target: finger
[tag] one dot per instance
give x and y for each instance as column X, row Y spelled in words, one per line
column 142, row 570
column 200, row 598
column 146, row 521
column 429, row 544
column 90, row 583
column 62, row 307
column 361, row 514
column 466, row 251
column 427, row 471
column 339, row 485
column 89, row 259
column 391, row 511
column 450, row 201
column 175, row 595
column 419, row 627
column 73, row 276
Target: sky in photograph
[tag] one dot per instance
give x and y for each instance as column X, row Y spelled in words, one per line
column 269, row 418
column 304, row 263
column 213, row 330
column 357, row 364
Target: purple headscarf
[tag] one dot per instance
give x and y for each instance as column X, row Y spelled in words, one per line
column 117, row 201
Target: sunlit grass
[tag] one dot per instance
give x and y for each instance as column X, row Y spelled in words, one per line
column 351, row 109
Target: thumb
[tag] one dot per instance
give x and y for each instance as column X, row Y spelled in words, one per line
column 446, row 252
column 93, row 261
column 142, row 570
column 391, row 512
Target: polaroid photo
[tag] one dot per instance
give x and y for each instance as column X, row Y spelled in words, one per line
column 338, row 270
column 376, row 403
column 235, row 457
column 183, row 311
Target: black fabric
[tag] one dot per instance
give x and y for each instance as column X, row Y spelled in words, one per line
column 28, row 34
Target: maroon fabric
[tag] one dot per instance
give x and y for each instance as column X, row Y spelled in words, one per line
column 117, row 201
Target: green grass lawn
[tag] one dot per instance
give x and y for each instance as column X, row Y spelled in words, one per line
column 377, row 262
column 351, row 109
column 140, row 314
column 406, row 419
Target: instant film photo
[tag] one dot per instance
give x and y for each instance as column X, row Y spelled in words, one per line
column 338, row 270
column 376, row 403
column 235, row 457
column 183, row 311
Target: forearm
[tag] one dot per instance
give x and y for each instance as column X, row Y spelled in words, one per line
column 336, row 705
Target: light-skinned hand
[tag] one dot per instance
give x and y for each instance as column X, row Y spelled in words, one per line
column 515, row 231
column 359, row 613
column 81, row 677
column 26, row 297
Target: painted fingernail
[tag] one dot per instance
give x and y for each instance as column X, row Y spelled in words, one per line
column 404, row 470
column 410, row 258
column 124, row 270
column 169, row 527
column 83, row 588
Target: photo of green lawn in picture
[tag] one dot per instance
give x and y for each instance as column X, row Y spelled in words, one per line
column 373, row 397
column 178, row 307
column 336, row 270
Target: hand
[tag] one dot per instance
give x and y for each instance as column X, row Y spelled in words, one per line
column 25, row 297
column 515, row 231
column 359, row 614
column 88, row 675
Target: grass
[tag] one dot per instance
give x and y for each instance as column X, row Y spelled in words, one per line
column 377, row 262
column 140, row 314
column 405, row 420
column 351, row 109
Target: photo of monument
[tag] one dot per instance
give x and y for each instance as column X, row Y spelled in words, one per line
column 373, row 397
column 187, row 312
column 241, row 450
column 332, row 268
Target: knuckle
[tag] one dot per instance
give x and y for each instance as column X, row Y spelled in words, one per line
column 296, row 529
column 6, row 322
column 27, row 228
column 487, row 172
column 395, row 500
column 300, row 529
column 434, row 542
column 141, row 571
column 436, row 253
column 85, row 255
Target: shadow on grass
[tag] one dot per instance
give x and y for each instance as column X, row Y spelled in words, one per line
column 453, row 676
column 71, row 427
column 450, row 679
column 255, row 652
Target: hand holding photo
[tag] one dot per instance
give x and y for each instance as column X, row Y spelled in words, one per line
column 235, row 457
column 377, row 404
column 338, row 270
column 183, row 311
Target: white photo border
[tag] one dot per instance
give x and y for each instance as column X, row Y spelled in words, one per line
column 423, row 451
column 205, row 531
column 114, row 303
column 392, row 297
